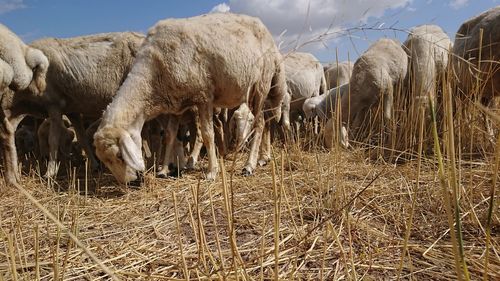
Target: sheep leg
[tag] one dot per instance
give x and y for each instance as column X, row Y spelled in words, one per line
column 56, row 127
column 8, row 140
column 77, row 122
column 219, row 135
column 254, row 149
column 207, row 131
column 195, row 152
column 265, row 146
column 171, row 126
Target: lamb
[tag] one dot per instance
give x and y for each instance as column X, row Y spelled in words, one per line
column 324, row 105
column 375, row 76
column 85, row 73
column 427, row 46
column 305, row 78
column 213, row 60
column 29, row 65
column 337, row 74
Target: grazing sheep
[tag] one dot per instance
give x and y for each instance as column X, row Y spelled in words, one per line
column 304, row 78
column 375, row 76
column 337, row 74
column 28, row 64
column 14, row 107
column 467, row 49
column 427, row 46
column 214, row 60
column 25, row 140
column 66, row 139
column 84, row 74
column 240, row 127
column 324, row 105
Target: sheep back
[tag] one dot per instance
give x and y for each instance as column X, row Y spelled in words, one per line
column 466, row 53
column 85, row 72
column 223, row 59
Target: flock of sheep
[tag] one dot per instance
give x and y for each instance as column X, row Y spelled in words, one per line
column 214, row 80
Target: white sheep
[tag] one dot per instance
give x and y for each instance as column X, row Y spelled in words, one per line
column 214, row 60
column 467, row 49
column 375, row 77
column 304, row 78
column 28, row 64
column 324, row 105
column 240, row 127
column 337, row 74
column 84, row 74
column 427, row 46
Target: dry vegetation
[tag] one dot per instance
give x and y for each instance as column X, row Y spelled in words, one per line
column 309, row 215
column 369, row 213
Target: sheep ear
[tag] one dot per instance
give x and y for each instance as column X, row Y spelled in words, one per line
column 131, row 153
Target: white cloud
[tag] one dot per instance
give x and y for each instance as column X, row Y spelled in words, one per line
column 221, row 8
column 10, row 5
column 457, row 4
column 307, row 19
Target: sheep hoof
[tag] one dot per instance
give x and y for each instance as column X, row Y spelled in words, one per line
column 246, row 172
column 190, row 164
column 161, row 175
column 138, row 181
column 211, row 176
column 262, row 162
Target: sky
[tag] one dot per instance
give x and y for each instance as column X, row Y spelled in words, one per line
column 330, row 29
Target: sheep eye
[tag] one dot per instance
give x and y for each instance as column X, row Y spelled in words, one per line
column 119, row 156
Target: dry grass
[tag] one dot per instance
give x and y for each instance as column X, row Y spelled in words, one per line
column 341, row 216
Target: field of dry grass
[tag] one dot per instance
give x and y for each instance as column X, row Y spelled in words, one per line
column 395, row 207
column 309, row 215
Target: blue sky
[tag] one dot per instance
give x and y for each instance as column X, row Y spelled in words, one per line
column 296, row 20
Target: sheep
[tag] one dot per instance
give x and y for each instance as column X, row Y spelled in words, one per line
column 427, row 46
column 468, row 48
column 305, row 78
column 375, row 76
column 466, row 51
column 240, row 126
column 324, row 105
column 84, row 74
column 213, row 60
column 29, row 65
column 337, row 74
column 14, row 107
column 66, row 139
column 25, row 140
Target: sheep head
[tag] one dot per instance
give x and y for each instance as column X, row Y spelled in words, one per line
column 39, row 64
column 309, row 108
column 240, row 126
column 330, row 134
column 119, row 152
